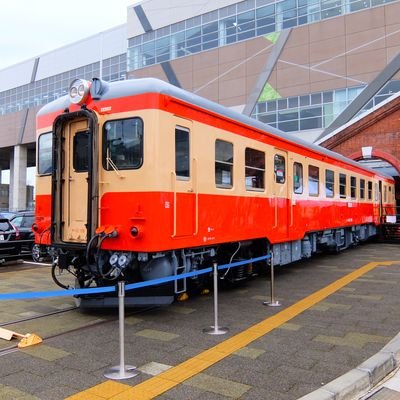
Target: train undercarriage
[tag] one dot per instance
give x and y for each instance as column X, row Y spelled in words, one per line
column 95, row 267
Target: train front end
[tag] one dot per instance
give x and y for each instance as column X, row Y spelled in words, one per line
column 94, row 193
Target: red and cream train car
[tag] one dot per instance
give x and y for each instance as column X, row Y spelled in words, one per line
column 140, row 180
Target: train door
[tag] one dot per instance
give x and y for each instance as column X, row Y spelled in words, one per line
column 280, row 194
column 74, row 210
column 74, row 179
column 184, row 181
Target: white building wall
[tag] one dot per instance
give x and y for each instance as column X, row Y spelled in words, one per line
column 16, row 75
column 87, row 51
column 104, row 45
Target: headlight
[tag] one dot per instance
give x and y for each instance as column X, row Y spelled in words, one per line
column 78, row 91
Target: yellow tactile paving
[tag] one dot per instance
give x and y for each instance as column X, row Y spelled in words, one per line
column 108, row 389
column 165, row 381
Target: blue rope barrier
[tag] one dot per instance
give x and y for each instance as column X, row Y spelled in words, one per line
column 132, row 286
column 238, row 263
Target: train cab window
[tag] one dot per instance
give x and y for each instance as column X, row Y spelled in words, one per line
column 223, row 164
column 279, row 169
column 123, row 144
column 329, row 183
column 297, row 178
column 254, row 169
column 369, row 190
column 342, row 186
column 80, row 160
column 313, row 180
column 45, row 154
column 362, row 189
column 353, row 187
column 182, row 152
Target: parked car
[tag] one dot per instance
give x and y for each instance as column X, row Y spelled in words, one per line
column 10, row 242
column 23, row 221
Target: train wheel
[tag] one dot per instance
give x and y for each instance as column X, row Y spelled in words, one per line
column 36, row 256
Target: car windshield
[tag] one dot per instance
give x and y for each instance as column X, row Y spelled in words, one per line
column 23, row 221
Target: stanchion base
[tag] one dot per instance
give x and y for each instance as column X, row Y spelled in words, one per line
column 117, row 373
column 215, row 331
column 272, row 303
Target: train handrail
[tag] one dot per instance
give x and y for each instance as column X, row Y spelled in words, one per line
column 173, row 175
column 196, row 190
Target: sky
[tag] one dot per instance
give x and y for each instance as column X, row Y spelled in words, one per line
column 30, row 28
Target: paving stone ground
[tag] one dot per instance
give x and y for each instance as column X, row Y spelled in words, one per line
column 317, row 346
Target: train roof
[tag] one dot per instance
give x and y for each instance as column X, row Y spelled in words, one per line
column 138, row 86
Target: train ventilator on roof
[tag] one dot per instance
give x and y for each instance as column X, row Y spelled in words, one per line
column 26, row 340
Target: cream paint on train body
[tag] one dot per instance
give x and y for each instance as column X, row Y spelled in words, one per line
column 158, row 169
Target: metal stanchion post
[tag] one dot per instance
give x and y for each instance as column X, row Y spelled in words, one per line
column 273, row 302
column 215, row 330
column 121, row 371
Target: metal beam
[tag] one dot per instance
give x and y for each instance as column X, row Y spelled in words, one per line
column 170, row 74
column 143, row 18
column 266, row 71
column 364, row 97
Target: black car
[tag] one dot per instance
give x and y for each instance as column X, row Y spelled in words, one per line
column 10, row 242
column 23, row 221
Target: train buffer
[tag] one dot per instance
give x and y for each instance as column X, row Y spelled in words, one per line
column 26, row 340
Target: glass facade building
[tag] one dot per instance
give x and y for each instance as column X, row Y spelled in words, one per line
column 231, row 24
column 315, row 110
column 45, row 90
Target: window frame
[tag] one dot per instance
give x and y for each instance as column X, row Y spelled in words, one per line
column 254, row 168
column 362, row 189
column 40, row 159
column 312, row 179
column 326, row 183
column 353, row 187
column 276, row 155
column 186, row 130
column 301, row 180
column 220, row 162
column 370, row 190
column 342, row 186
column 104, row 145
column 77, row 168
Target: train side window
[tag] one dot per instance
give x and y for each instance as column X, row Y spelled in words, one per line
column 45, row 154
column 384, row 193
column 297, row 178
column 342, row 185
column 279, row 169
column 362, row 189
column 182, row 152
column 353, row 187
column 123, row 144
column 329, row 183
column 369, row 190
column 223, row 164
column 80, row 161
column 313, row 180
column 376, row 195
column 254, row 169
